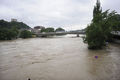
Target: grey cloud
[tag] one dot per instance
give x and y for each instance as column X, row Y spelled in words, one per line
column 57, row 13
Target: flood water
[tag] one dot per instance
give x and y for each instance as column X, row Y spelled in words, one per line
column 57, row 58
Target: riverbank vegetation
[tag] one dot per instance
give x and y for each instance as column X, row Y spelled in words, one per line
column 11, row 30
column 8, row 34
column 26, row 34
column 60, row 30
column 98, row 32
column 51, row 29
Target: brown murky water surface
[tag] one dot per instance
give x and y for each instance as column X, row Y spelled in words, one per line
column 58, row 58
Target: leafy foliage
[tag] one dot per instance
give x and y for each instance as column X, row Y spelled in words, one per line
column 8, row 34
column 9, row 25
column 116, row 27
column 59, row 29
column 49, row 29
column 99, row 31
column 94, row 37
column 96, row 12
column 19, row 25
column 26, row 34
column 10, row 30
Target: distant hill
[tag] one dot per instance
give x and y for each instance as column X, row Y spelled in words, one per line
column 13, row 24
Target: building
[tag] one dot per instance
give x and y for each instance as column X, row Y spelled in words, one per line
column 37, row 29
column 15, row 20
column 30, row 29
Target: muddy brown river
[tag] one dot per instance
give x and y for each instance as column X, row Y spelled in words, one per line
column 57, row 58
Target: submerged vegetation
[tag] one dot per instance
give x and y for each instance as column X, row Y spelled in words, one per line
column 99, row 30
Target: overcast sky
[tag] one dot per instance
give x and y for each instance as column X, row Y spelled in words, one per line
column 69, row 14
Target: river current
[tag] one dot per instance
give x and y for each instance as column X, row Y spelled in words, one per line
column 57, row 58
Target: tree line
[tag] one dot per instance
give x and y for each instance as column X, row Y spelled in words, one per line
column 14, row 29
column 51, row 29
column 10, row 30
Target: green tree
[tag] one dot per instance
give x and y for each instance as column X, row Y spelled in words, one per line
column 49, row 29
column 10, row 30
column 116, row 27
column 59, row 29
column 97, row 12
column 99, row 31
column 9, row 25
column 19, row 25
column 94, row 36
column 43, row 30
column 26, row 34
column 4, row 24
column 8, row 34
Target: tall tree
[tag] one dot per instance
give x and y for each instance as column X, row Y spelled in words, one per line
column 99, row 31
column 97, row 12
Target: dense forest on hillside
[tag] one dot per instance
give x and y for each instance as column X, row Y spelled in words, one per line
column 13, row 24
column 11, row 30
